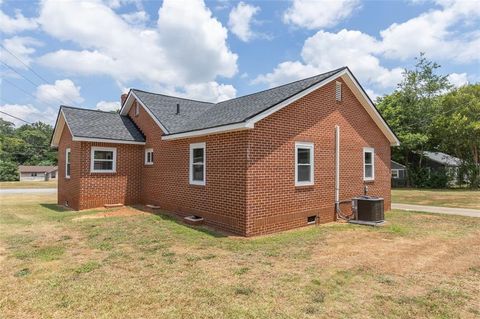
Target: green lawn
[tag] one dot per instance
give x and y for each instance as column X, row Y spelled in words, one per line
column 448, row 198
column 28, row 184
column 65, row 264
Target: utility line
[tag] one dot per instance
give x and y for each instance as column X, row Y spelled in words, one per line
column 15, row 117
column 25, row 64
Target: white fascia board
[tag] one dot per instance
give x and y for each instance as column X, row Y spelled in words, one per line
column 104, row 140
column 378, row 119
column 128, row 104
column 209, row 131
column 59, row 125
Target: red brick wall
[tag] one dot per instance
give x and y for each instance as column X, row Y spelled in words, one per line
column 89, row 190
column 166, row 183
column 273, row 201
column 68, row 188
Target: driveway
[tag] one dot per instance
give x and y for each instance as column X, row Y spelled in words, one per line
column 440, row 210
column 28, row 191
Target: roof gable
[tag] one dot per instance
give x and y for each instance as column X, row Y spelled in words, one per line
column 94, row 125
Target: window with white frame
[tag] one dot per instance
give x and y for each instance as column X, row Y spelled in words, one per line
column 395, row 173
column 338, row 91
column 137, row 109
column 33, row 174
column 149, row 156
column 197, row 163
column 67, row 163
column 103, row 160
column 304, row 164
column 368, row 164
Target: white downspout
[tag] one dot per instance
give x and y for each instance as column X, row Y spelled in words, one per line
column 337, row 166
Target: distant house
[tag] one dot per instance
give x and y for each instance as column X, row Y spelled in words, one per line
column 399, row 174
column 37, row 173
column 438, row 161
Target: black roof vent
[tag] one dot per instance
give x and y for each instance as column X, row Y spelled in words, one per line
column 178, row 108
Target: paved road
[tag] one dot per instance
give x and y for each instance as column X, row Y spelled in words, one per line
column 28, row 191
column 441, row 210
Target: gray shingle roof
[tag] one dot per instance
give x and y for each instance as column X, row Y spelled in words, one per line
column 196, row 115
column 395, row 165
column 442, row 158
column 99, row 124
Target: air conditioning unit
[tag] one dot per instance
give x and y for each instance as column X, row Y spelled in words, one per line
column 368, row 210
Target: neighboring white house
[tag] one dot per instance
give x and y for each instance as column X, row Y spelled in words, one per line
column 37, row 173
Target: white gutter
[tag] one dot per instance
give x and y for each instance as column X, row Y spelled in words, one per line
column 337, row 165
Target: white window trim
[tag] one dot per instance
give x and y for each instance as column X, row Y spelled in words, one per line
column 148, row 150
column 192, row 147
column 369, row 150
column 92, row 159
column 397, row 173
column 68, row 154
column 312, row 163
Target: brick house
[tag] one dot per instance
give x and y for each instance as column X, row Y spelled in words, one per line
column 265, row 162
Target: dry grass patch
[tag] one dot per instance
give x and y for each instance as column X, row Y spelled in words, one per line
column 151, row 266
column 28, row 184
column 447, row 198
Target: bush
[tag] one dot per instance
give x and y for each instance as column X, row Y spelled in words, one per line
column 8, row 171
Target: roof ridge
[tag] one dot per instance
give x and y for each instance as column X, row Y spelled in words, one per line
column 85, row 109
column 177, row 97
column 238, row 97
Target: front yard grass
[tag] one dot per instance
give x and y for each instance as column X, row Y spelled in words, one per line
column 456, row 198
column 54, row 264
column 28, row 184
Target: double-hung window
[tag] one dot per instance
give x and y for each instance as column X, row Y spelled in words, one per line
column 395, row 174
column 149, row 156
column 67, row 163
column 103, row 160
column 197, row 163
column 304, row 168
column 368, row 164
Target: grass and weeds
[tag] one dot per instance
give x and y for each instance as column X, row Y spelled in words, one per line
column 28, row 184
column 456, row 198
column 54, row 264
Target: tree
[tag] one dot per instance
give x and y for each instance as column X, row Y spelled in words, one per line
column 457, row 129
column 411, row 107
column 8, row 171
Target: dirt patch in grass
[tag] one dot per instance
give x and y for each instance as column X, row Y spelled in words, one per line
column 123, row 212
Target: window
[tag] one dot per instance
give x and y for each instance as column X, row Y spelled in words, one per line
column 137, row 109
column 338, row 91
column 149, row 156
column 67, row 163
column 311, row 219
column 103, row 160
column 303, row 164
column 33, row 174
column 395, row 173
column 53, row 174
column 197, row 164
column 368, row 164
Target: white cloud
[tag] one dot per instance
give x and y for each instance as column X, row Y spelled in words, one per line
column 319, row 14
column 326, row 51
column 138, row 18
column 211, row 91
column 188, row 46
column 28, row 113
column 432, row 33
column 63, row 91
column 108, row 106
column 22, row 47
column 240, row 19
column 16, row 24
column 458, row 79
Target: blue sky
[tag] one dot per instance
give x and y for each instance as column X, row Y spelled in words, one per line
column 86, row 53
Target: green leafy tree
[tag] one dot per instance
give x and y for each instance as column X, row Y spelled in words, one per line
column 8, row 171
column 411, row 107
